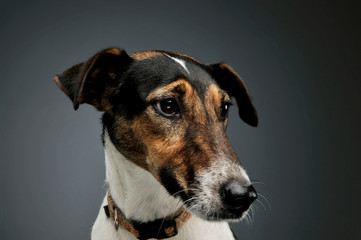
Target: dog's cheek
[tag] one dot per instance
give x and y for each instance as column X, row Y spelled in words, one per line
column 125, row 139
column 162, row 138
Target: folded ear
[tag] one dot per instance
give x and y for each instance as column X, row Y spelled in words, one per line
column 233, row 84
column 95, row 80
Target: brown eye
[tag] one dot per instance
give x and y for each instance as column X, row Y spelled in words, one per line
column 168, row 107
column 224, row 110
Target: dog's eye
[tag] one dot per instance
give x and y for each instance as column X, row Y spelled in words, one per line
column 224, row 110
column 168, row 107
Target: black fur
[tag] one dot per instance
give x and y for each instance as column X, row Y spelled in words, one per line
column 235, row 87
column 171, row 184
column 90, row 81
column 155, row 229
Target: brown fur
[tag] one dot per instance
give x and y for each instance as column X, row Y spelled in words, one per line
column 115, row 51
column 150, row 54
column 145, row 55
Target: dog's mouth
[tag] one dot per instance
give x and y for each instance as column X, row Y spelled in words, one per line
column 220, row 192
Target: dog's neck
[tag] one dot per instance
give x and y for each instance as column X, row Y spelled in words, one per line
column 134, row 190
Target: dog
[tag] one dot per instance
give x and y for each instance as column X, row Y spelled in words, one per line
column 170, row 170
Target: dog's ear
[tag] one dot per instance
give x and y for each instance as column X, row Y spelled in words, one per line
column 233, row 84
column 95, row 80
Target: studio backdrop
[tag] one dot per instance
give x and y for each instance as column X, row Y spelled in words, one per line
column 299, row 59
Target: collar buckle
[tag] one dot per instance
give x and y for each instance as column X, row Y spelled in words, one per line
column 116, row 220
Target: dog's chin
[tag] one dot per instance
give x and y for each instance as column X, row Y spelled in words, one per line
column 217, row 215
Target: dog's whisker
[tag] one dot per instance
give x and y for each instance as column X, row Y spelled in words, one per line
column 246, row 218
column 192, row 207
column 249, row 214
column 252, row 213
column 161, row 225
column 185, row 203
column 261, row 183
column 184, row 190
column 179, row 204
column 254, row 206
column 209, row 209
column 188, row 200
column 265, row 200
column 264, row 207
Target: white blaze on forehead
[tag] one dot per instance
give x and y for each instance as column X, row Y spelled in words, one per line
column 181, row 62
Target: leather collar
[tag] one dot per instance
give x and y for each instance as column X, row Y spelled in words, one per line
column 159, row 228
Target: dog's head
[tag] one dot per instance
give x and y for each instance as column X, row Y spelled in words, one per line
column 168, row 114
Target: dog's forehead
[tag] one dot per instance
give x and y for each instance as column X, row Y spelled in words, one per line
column 152, row 70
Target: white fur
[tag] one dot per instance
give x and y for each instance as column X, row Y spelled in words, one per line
column 181, row 62
column 208, row 202
column 140, row 196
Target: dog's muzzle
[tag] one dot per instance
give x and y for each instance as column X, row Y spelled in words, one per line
column 223, row 192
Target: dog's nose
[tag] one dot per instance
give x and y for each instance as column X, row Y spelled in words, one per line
column 237, row 196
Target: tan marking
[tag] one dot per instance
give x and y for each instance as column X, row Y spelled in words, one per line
column 58, row 83
column 215, row 97
column 145, row 55
column 115, row 51
column 167, row 90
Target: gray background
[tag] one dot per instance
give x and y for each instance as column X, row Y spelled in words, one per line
column 301, row 62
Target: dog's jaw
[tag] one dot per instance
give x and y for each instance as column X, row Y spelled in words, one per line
column 135, row 191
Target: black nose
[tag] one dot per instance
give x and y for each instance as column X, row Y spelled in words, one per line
column 237, row 196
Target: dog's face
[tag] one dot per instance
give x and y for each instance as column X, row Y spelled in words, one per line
column 168, row 114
